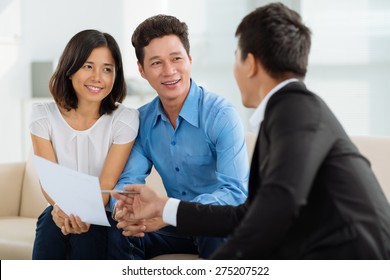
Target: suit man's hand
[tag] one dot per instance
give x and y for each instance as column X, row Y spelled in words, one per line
column 145, row 205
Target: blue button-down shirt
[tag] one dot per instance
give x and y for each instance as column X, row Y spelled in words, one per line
column 204, row 159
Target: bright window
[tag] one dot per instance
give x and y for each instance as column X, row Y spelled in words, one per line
column 349, row 63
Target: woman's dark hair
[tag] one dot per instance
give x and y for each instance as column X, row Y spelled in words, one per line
column 72, row 59
column 276, row 36
column 156, row 27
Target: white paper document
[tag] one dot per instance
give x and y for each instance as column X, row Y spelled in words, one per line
column 74, row 192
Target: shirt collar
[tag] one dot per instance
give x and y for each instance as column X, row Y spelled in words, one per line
column 190, row 109
column 159, row 112
column 258, row 115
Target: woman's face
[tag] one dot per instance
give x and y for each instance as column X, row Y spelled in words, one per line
column 95, row 79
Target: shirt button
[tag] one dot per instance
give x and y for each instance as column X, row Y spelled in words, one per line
column 173, row 143
column 177, row 169
column 184, row 193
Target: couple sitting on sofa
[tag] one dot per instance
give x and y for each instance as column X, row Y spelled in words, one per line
column 193, row 138
column 311, row 194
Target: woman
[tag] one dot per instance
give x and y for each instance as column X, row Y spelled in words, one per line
column 87, row 129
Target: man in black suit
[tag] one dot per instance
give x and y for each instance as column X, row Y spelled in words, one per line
column 312, row 195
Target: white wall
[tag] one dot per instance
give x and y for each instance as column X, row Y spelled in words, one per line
column 11, row 75
column 350, row 61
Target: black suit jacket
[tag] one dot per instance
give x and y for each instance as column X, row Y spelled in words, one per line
column 312, row 195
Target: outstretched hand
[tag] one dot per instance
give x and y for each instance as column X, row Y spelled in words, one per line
column 145, row 205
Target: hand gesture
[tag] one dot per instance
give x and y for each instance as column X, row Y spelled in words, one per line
column 145, row 205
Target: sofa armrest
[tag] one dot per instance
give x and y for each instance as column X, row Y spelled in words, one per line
column 11, row 180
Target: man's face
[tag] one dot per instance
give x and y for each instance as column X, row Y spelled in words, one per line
column 167, row 68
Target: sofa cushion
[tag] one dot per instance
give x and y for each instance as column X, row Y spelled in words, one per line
column 33, row 202
column 17, row 238
column 377, row 151
column 11, row 175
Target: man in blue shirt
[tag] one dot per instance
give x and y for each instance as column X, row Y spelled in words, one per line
column 194, row 139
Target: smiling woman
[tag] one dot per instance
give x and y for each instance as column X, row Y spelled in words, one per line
column 85, row 129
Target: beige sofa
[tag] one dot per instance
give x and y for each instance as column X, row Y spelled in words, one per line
column 21, row 200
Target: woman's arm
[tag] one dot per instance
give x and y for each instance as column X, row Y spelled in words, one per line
column 43, row 148
column 114, row 163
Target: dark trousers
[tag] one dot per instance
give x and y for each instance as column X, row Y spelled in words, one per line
column 163, row 241
column 51, row 244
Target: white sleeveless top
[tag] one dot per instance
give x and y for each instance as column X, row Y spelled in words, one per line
column 86, row 150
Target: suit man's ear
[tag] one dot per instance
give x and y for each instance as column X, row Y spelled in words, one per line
column 141, row 69
column 252, row 64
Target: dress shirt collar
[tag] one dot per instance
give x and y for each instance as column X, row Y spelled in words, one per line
column 189, row 111
column 258, row 115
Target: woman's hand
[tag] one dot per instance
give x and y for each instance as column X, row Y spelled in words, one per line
column 58, row 216
column 74, row 225
column 68, row 224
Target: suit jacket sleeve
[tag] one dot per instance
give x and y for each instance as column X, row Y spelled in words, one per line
column 297, row 143
column 216, row 220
